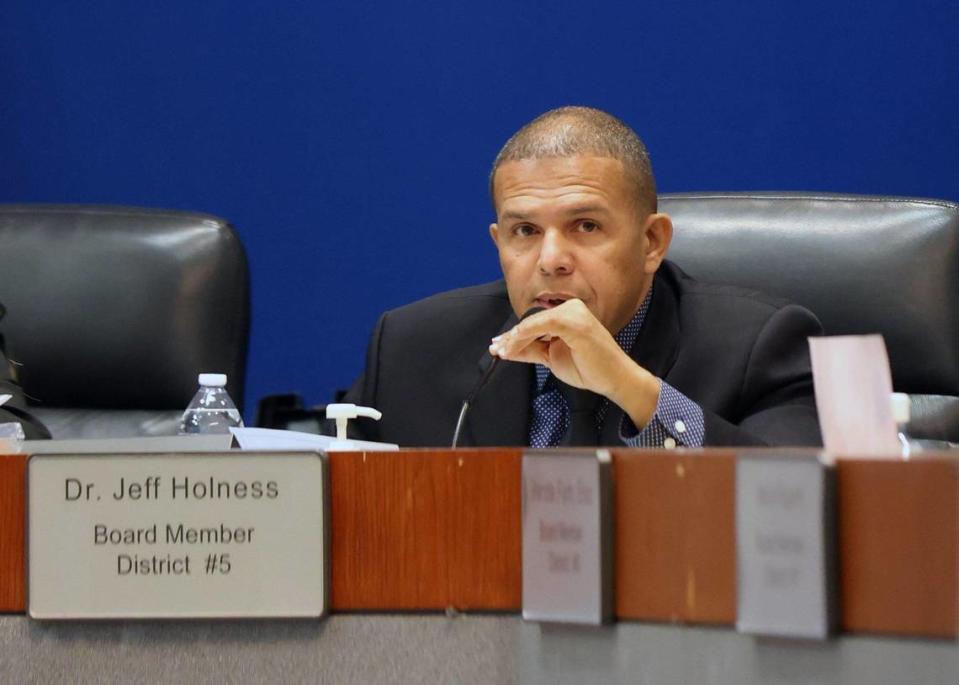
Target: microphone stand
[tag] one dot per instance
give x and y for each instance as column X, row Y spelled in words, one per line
column 482, row 381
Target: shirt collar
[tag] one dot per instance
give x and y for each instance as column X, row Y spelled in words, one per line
column 625, row 338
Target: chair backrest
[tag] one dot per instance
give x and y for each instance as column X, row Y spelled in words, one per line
column 863, row 264
column 113, row 311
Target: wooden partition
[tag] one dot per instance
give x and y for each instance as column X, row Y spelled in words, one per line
column 675, row 536
column 426, row 530
column 12, row 530
column 441, row 529
column 899, row 546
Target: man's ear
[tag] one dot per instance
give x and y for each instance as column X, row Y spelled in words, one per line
column 659, row 234
column 494, row 234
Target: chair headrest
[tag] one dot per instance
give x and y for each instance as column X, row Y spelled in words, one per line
column 862, row 264
column 119, row 306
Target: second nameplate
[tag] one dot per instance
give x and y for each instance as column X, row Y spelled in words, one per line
column 785, row 540
column 567, row 537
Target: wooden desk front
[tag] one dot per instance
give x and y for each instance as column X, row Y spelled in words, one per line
column 440, row 529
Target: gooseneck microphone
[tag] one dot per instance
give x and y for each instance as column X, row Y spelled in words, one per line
column 482, row 382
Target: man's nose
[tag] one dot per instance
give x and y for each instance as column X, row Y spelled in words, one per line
column 555, row 255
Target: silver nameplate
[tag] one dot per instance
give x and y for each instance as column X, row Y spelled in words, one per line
column 567, row 537
column 785, row 546
column 177, row 536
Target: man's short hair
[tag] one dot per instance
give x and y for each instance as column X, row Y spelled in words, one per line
column 573, row 131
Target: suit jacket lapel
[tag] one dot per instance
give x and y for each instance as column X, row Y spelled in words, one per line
column 655, row 349
column 500, row 412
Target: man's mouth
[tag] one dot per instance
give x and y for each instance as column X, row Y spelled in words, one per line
column 550, row 300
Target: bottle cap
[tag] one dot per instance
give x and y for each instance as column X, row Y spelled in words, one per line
column 216, row 380
column 901, row 406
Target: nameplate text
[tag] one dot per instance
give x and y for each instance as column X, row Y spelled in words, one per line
column 785, row 546
column 177, row 535
column 567, row 531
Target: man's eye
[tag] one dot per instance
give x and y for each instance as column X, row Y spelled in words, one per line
column 588, row 226
column 524, row 230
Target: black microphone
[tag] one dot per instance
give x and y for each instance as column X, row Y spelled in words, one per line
column 482, row 382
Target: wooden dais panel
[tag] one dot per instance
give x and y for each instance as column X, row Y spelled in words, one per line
column 425, row 530
column 675, row 536
column 898, row 536
column 12, row 501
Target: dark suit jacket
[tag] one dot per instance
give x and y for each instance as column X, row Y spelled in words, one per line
column 742, row 356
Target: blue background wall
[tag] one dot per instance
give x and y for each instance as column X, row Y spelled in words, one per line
column 349, row 142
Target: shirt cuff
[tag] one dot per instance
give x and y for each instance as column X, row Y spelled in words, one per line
column 677, row 422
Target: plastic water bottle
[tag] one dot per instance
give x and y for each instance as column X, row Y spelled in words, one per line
column 901, row 412
column 211, row 410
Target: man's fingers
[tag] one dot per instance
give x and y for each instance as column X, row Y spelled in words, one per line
column 534, row 352
column 543, row 327
column 515, row 342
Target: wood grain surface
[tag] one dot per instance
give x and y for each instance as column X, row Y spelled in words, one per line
column 675, row 536
column 12, row 517
column 425, row 530
column 438, row 530
column 898, row 532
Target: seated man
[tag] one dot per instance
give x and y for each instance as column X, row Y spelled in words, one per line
column 14, row 409
column 627, row 350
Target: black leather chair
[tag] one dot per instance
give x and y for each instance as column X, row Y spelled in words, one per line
column 863, row 264
column 113, row 311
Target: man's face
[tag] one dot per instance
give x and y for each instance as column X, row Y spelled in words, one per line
column 569, row 227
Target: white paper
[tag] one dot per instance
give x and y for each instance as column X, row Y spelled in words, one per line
column 270, row 439
column 853, row 389
column 156, row 444
column 4, row 399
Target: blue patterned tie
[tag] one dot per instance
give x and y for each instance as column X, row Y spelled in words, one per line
column 550, row 416
column 551, row 408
